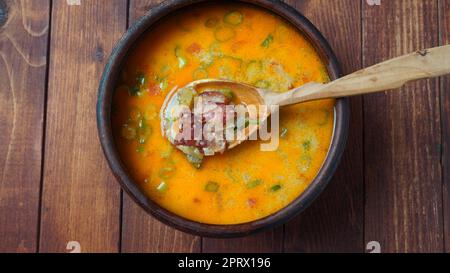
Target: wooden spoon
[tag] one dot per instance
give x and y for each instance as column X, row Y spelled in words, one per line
column 387, row 75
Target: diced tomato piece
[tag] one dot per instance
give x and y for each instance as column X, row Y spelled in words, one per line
column 251, row 202
column 153, row 89
column 194, row 48
column 237, row 45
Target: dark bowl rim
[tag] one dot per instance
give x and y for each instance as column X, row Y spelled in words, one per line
column 105, row 94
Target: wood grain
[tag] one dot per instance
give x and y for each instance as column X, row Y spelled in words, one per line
column 266, row 242
column 23, row 62
column 402, row 134
column 81, row 200
column 143, row 233
column 334, row 222
column 140, row 231
column 444, row 16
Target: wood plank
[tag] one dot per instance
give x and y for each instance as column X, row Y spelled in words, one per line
column 143, row 233
column 23, row 62
column 445, row 115
column 135, row 221
column 266, row 242
column 334, row 222
column 402, row 134
column 81, row 200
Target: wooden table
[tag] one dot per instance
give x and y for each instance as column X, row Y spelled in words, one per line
column 56, row 190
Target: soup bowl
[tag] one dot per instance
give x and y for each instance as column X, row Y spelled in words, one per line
column 106, row 93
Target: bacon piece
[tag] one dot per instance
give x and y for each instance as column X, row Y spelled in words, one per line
column 210, row 106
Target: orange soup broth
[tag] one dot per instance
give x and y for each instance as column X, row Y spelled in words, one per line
column 252, row 184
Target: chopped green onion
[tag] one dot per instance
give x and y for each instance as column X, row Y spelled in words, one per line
column 284, row 132
column 266, row 43
column 193, row 155
column 307, row 145
column 164, row 71
column 140, row 149
column 181, row 62
column 163, row 83
column 234, row 18
column 144, row 132
column 254, row 183
column 262, row 84
column 275, row 188
column 181, row 59
column 224, row 34
column 212, row 186
column 229, row 173
column 141, row 79
column 167, row 172
column 141, row 123
column 135, row 91
column 195, row 161
column 162, row 187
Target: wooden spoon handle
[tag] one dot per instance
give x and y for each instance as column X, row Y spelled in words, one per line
column 387, row 75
